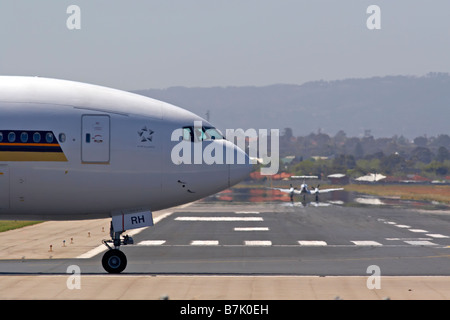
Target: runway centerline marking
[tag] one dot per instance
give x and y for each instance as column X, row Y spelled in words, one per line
column 257, row 243
column 151, row 243
column 421, row 243
column 204, row 243
column 311, row 243
column 251, row 229
column 436, row 235
column 219, row 219
column 408, row 239
column 246, row 212
column 418, row 230
column 366, row 243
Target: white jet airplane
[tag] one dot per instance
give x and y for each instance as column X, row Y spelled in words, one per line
column 72, row 151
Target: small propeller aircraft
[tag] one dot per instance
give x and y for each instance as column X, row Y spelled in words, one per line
column 304, row 190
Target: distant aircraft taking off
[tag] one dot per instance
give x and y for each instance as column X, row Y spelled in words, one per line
column 72, row 151
column 304, row 189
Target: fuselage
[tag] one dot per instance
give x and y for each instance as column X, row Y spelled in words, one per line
column 304, row 188
column 70, row 150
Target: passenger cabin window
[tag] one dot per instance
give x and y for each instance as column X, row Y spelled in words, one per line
column 49, row 137
column 24, row 137
column 36, row 137
column 62, row 137
column 27, row 137
column 11, row 137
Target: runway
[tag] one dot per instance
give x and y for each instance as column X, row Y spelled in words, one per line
column 252, row 243
column 289, row 240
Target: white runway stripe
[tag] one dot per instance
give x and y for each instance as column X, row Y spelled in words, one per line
column 311, row 243
column 151, row 242
column 301, row 243
column 421, row 243
column 246, row 212
column 204, row 243
column 367, row 243
column 417, row 230
column 407, row 239
column 93, row 252
column 257, row 243
column 251, row 229
column 219, row 219
column 436, row 235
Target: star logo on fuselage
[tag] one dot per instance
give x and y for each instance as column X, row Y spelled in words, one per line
column 145, row 134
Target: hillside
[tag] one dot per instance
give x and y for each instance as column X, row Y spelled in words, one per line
column 387, row 106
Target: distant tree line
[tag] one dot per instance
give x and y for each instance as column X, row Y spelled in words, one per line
column 321, row 154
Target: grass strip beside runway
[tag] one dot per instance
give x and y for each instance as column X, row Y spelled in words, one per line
column 11, row 225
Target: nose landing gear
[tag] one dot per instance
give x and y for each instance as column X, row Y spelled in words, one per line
column 114, row 260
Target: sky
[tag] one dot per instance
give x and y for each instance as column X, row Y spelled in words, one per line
column 143, row 44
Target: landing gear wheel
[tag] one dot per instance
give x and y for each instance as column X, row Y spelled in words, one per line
column 114, row 261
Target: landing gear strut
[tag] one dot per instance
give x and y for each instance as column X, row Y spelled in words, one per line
column 114, row 260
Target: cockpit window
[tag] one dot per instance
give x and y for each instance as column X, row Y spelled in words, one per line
column 187, row 134
column 201, row 134
column 212, row 133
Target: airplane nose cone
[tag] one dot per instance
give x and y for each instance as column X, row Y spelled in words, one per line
column 240, row 169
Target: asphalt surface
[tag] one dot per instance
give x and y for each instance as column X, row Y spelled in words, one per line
column 278, row 239
column 241, row 240
column 290, row 240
